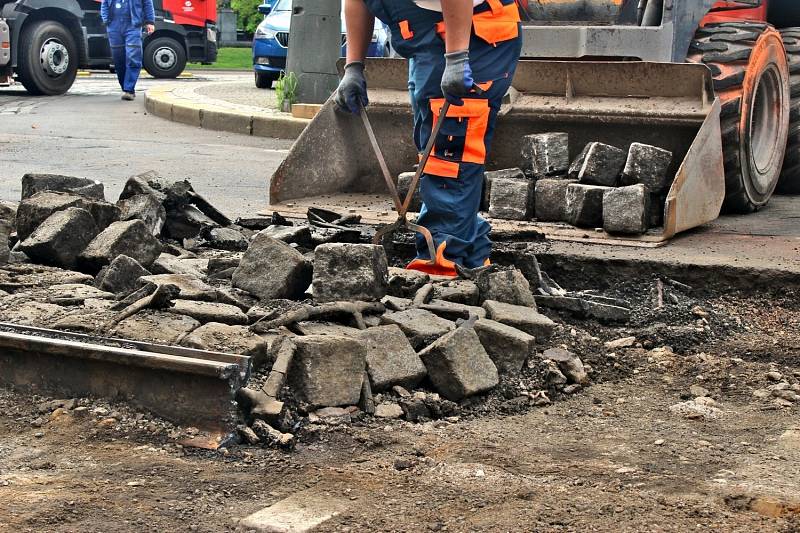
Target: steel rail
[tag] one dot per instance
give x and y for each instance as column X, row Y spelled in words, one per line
column 188, row 387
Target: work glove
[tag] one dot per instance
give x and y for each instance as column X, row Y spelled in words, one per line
column 351, row 94
column 457, row 79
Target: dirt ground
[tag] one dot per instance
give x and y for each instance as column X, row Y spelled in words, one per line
column 611, row 457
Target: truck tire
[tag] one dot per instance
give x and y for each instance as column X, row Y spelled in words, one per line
column 164, row 57
column 790, row 176
column 751, row 77
column 264, row 80
column 48, row 58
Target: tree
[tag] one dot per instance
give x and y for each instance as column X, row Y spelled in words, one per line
column 249, row 17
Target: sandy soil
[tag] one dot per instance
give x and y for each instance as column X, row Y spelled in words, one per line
column 612, row 457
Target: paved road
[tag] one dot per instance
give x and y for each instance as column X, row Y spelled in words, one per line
column 90, row 132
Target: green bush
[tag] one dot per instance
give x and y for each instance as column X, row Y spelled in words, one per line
column 249, row 17
column 286, row 89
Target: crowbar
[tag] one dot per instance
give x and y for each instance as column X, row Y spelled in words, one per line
column 402, row 205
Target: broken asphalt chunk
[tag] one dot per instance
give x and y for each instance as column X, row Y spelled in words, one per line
column 569, row 363
column 60, row 238
column 584, row 205
column 507, row 286
column 602, row 165
column 147, row 208
column 350, row 272
column 508, row 347
column 551, row 199
column 626, row 210
column 131, row 238
column 271, row 269
column 647, row 165
column 522, row 318
column 205, row 312
column 511, row 199
column 458, row 366
column 33, row 183
column 327, row 370
column 390, row 358
column 545, row 154
column 420, row 326
column 190, row 287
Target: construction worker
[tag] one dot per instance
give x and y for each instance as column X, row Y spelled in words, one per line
column 465, row 51
column 124, row 20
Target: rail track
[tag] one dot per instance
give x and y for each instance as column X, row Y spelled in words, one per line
column 185, row 386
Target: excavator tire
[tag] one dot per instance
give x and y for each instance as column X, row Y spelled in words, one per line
column 751, row 77
column 790, row 176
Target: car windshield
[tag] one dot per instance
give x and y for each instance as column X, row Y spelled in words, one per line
column 286, row 5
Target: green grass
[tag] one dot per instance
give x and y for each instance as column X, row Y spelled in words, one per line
column 228, row 59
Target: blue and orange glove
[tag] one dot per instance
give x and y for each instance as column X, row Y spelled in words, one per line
column 457, row 79
column 351, row 94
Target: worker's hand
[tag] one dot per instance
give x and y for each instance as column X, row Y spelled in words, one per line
column 351, row 95
column 149, row 28
column 457, row 79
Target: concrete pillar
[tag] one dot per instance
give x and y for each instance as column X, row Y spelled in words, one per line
column 226, row 22
column 317, row 26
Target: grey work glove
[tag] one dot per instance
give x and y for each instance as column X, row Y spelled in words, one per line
column 351, row 94
column 457, row 79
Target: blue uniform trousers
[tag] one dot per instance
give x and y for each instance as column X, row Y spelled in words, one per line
column 452, row 182
column 126, row 49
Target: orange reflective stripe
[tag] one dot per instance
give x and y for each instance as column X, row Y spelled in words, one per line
column 440, row 260
column 441, row 168
column 496, row 6
column 472, row 107
column 494, row 27
column 438, row 267
column 405, row 30
column 477, row 111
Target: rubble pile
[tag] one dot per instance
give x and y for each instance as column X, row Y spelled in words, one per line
column 621, row 191
column 335, row 333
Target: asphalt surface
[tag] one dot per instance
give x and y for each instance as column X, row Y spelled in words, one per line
column 90, row 132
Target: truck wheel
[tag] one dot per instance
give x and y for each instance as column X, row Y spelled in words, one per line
column 751, row 77
column 164, row 57
column 264, row 80
column 790, row 176
column 48, row 58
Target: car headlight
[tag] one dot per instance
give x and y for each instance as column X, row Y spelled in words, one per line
column 263, row 32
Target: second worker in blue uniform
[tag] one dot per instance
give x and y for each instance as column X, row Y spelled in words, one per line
column 125, row 20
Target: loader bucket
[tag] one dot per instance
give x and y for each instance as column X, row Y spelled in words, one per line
column 668, row 105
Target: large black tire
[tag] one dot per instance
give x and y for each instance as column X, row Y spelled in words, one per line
column 164, row 57
column 264, row 79
column 790, row 176
column 751, row 77
column 48, row 58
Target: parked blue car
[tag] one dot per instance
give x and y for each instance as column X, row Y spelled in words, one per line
column 272, row 38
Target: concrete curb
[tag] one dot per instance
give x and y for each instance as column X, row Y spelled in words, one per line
column 177, row 104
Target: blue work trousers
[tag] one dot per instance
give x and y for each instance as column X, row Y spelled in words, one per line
column 453, row 179
column 126, row 49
